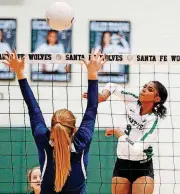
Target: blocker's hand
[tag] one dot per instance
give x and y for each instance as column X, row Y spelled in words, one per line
column 95, row 64
column 17, row 65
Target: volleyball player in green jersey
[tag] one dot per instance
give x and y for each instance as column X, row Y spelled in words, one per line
column 134, row 166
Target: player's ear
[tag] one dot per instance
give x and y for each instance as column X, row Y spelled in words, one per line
column 157, row 99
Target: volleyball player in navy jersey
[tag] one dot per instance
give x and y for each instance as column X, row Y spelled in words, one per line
column 63, row 152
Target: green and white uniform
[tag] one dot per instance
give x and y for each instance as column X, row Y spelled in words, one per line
column 140, row 130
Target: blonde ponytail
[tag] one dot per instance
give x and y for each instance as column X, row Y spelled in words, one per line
column 61, row 135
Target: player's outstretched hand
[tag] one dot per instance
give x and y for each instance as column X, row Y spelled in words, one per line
column 94, row 65
column 17, row 65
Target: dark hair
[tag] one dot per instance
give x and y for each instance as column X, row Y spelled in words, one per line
column 52, row 31
column 159, row 109
column 102, row 39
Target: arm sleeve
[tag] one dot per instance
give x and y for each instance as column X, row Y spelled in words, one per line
column 137, row 148
column 118, row 91
column 83, row 136
column 38, row 126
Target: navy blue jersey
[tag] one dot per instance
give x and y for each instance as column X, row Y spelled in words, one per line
column 75, row 183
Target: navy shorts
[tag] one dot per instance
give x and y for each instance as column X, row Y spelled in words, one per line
column 133, row 170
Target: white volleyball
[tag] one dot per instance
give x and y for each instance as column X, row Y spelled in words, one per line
column 60, row 16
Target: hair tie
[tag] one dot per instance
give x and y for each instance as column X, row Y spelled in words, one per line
column 58, row 123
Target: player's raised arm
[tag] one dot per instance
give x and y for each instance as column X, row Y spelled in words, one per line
column 84, row 135
column 114, row 89
column 39, row 130
column 117, row 90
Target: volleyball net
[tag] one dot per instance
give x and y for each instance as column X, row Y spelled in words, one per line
column 58, row 81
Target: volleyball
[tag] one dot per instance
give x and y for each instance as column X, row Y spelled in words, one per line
column 59, row 16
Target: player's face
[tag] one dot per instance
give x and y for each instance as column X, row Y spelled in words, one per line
column 107, row 38
column 52, row 38
column 149, row 93
column 36, row 180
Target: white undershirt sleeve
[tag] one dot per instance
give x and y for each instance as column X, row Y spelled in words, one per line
column 118, row 90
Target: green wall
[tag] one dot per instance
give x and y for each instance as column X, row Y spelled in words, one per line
column 18, row 153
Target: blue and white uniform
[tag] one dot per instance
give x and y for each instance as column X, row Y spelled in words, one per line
column 75, row 183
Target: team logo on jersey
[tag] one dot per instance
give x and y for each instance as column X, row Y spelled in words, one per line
column 135, row 123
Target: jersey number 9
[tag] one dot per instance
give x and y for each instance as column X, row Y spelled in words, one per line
column 128, row 129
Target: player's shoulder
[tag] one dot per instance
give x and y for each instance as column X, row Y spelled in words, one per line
column 133, row 105
column 130, row 94
column 131, row 99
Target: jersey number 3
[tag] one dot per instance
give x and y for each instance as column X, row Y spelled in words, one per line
column 128, row 129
